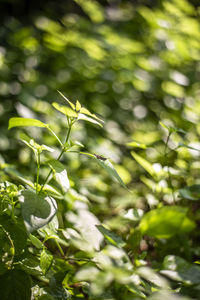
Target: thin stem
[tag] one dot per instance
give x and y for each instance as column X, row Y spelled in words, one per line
column 60, row 155
column 38, row 171
column 55, row 136
column 60, row 249
column 168, row 171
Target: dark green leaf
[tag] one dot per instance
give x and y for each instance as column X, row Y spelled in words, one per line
column 15, row 285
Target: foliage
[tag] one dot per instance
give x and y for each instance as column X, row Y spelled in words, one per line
column 108, row 211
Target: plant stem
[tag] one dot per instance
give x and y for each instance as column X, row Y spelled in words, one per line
column 168, row 171
column 60, row 155
column 38, row 171
column 59, row 247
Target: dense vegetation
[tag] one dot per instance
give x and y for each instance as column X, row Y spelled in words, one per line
column 99, row 197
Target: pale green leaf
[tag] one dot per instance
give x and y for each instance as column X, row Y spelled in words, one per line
column 35, row 241
column 78, row 106
column 67, row 111
column 166, row 221
column 85, row 111
column 25, row 122
column 144, row 163
column 69, row 102
column 88, row 119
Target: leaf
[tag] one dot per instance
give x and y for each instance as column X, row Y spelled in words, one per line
column 15, row 231
column 78, row 106
column 88, row 119
column 60, row 174
column 35, row 241
column 15, row 174
column 144, row 163
column 31, row 265
column 67, row 111
column 111, row 237
column 45, row 261
column 191, row 192
column 178, row 269
column 15, row 285
column 153, row 277
column 166, row 221
column 107, row 165
column 70, row 103
column 136, row 145
column 37, row 209
column 85, row 111
column 25, row 122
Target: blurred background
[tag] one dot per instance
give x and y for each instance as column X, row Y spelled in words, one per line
column 133, row 63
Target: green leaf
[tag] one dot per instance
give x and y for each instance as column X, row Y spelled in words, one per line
column 37, row 210
column 35, row 241
column 107, row 165
column 31, row 265
column 78, row 106
column 69, row 102
column 88, row 119
column 144, row 163
column 16, row 175
column 60, row 174
column 166, row 221
column 85, row 111
column 15, row 231
column 111, row 237
column 153, row 277
column 15, row 285
column 191, row 192
column 45, row 261
column 136, row 145
column 67, row 111
column 178, row 269
column 25, row 122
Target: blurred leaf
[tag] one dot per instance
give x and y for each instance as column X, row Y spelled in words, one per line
column 166, row 221
column 191, row 192
column 136, row 145
column 78, row 106
column 144, row 163
column 88, row 119
column 85, row 111
column 16, row 122
column 178, row 269
column 111, row 237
